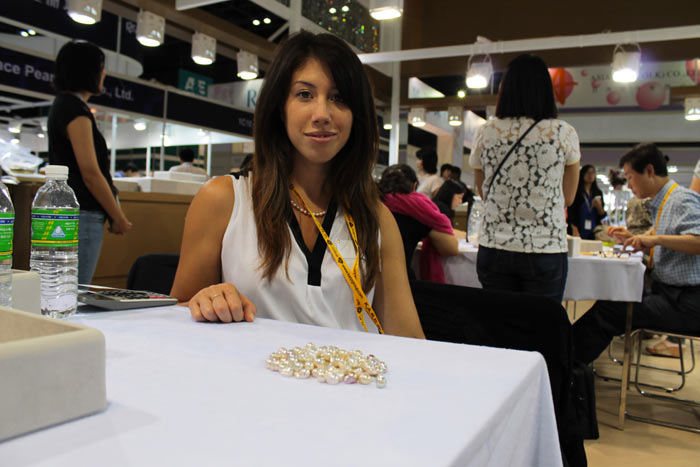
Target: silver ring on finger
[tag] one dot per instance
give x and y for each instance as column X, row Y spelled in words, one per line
column 214, row 296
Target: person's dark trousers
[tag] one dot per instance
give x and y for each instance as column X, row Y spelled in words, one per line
column 533, row 273
column 664, row 308
column 492, row 318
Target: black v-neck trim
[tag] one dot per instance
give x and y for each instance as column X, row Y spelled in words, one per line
column 314, row 258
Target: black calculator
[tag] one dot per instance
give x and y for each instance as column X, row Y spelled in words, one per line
column 122, row 299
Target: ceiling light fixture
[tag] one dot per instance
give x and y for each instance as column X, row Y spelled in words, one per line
column 150, row 29
column 15, row 127
column 256, row 22
column 267, row 20
column 461, row 94
column 479, row 73
column 416, row 116
column 24, row 33
column 625, row 65
column 692, row 108
column 345, row 8
column 31, row 32
column 387, row 126
column 385, row 9
column 332, row 10
column 84, row 11
column 14, row 141
column 140, row 124
column 41, row 135
column 247, row 65
column 203, row 49
column 455, row 115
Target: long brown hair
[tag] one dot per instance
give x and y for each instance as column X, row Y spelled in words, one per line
column 350, row 174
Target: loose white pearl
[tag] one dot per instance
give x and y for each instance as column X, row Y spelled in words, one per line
column 381, row 381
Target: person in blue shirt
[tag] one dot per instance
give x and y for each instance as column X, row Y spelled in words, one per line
column 673, row 243
column 588, row 208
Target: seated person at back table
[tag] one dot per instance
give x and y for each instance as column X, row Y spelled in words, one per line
column 187, row 158
column 418, row 219
column 256, row 244
column 673, row 242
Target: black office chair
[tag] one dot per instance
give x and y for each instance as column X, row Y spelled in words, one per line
column 511, row 320
column 153, row 272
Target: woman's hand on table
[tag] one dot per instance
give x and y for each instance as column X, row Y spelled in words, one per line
column 221, row 303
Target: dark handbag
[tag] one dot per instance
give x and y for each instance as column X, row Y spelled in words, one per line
column 512, row 148
column 584, row 400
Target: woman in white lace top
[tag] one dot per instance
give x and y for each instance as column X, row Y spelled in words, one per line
column 522, row 239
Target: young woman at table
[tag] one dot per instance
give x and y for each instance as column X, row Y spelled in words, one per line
column 254, row 246
column 418, row 219
column 587, row 209
column 526, row 165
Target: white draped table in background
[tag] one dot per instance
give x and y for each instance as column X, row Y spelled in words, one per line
column 182, row 393
column 589, row 277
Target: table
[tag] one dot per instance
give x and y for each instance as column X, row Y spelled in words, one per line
column 588, row 278
column 186, row 393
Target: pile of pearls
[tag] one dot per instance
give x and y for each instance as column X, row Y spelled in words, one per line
column 328, row 364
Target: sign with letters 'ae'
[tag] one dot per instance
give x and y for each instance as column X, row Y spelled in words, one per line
column 193, row 82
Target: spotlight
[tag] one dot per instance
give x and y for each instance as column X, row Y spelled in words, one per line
column 150, row 29
column 478, row 74
column 31, row 32
column 140, row 124
column 692, row 108
column 256, row 22
column 388, row 126
column 14, row 141
column 41, row 135
column 203, row 49
column 267, row 20
column 385, row 9
column 24, row 33
column 345, row 8
column 15, row 127
column 455, row 115
column 625, row 65
column 416, row 116
column 247, row 65
column 332, row 10
column 84, row 11
column 461, row 94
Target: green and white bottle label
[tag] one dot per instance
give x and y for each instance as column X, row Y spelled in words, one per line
column 55, row 227
column 7, row 224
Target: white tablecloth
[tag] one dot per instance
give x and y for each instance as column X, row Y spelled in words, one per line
column 589, row 277
column 194, row 394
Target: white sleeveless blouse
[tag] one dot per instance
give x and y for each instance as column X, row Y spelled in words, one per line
column 317, row 293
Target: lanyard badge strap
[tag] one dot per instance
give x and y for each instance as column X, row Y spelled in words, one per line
column 658, row 216
column 352, row 277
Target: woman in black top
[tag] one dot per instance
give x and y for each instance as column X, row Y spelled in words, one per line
column 75, row 141
column 587, row 209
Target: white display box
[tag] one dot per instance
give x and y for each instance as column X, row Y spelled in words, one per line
column 51, row 371
column 26, row 290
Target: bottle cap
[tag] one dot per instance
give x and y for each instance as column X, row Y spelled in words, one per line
column 56, row 171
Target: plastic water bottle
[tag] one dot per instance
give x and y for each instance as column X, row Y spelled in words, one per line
column 55, row 213
column 474, row 221
column 7, row 225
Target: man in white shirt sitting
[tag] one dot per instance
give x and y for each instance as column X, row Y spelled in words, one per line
column 186, row 157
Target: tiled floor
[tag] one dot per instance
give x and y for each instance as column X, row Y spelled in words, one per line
column 642, row 444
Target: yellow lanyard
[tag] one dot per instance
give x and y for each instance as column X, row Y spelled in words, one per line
column 352, row 277
column 658, row 216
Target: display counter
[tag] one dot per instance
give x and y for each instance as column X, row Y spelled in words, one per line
column 158, row 221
